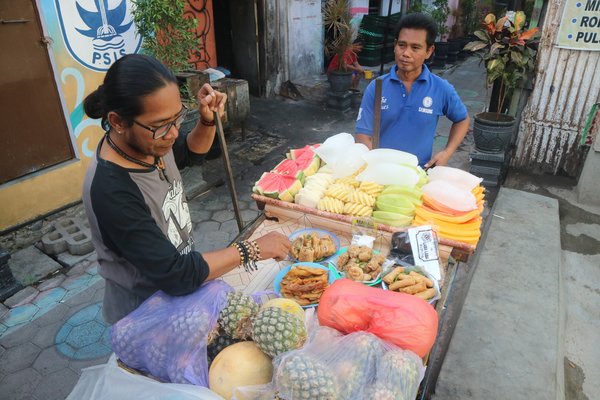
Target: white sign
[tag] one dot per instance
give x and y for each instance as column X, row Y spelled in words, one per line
column 425, row 249
column 580, row 25
column 97, row 32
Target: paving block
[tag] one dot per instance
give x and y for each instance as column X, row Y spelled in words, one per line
column 69, row 260
column 19, row 357
column 3, row 310
column 22, row 297
column 69, row 234
column 51, row 283
column 48, row 388
column 20, row 385
column 20, row 315
column 30, row 265
column 49, row 361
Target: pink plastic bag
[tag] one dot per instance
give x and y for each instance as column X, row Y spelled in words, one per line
column 398, row 318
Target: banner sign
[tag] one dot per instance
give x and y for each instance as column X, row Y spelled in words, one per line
column 580, row 25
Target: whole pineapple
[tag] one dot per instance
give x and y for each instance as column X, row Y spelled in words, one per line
column 276, row 331
column 400, row 371
column 357, row 366
column 235, row 319
column 300, row 377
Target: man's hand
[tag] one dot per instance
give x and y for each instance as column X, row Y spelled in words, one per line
column 274, row 245
column 440, row 158
column 210, row 100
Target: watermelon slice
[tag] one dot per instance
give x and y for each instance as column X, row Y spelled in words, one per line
column 277, row 186
column 308, row 165
column 306, row 151
column 290, row 168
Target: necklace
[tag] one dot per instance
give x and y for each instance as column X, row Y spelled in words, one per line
column 158, row 161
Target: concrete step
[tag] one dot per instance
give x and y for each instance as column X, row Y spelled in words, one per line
column 508, row 339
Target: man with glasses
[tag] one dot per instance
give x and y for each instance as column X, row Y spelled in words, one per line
column 413, row 98
column 133, row 193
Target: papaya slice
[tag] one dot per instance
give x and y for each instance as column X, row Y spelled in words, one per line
column 453, row 227
column 436, row 205
column 428, row 213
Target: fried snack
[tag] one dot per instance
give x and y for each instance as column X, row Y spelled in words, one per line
column 427, row 281
column 403, row 282
column 426, row 294
column 391, row 277
column 414, row 289
column 305, row 285
column 353, row 251
column 306, row 254
column 365, row 253
column 343, row 260
column 355, row 273
column 311, row 247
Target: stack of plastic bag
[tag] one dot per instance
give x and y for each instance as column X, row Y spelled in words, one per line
column 166, row 336
column 452, row 204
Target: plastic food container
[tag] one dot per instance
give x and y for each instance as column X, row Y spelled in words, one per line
column 332, row 276
column 320, row 233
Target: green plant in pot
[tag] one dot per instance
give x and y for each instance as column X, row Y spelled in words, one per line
column 508, row 53
column 168, row 35
column 337, row 22
column 439, row 11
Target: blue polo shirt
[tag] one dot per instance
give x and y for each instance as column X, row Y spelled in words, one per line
column 408, row 120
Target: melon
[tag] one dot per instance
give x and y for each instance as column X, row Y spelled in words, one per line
column 308, row 165
column 277, row 186
column 241, row 364
column 286, row 305
column 306, row 151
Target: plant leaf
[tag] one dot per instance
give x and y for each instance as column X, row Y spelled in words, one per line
column 500, row 23
column 482, row 35
column 496, row 47
column 519, row 20
column 490, row 19
column 474, row 46
column 516, row 57
column 529, row 34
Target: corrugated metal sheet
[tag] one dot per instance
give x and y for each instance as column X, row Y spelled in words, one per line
column 567, row 84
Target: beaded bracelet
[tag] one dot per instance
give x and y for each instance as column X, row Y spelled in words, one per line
column 248, row 255
column 207, row 123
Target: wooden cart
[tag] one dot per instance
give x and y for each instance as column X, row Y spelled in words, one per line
column 457, row 260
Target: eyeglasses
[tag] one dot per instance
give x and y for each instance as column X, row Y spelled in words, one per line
column 162, row 130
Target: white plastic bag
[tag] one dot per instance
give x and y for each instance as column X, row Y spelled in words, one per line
column 452, row 196
column 392, row 156
column 390, row 174
column 110, row 382
column 454, row 175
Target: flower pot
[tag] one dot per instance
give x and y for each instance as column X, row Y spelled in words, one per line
column 340, row 81
column 493, row 131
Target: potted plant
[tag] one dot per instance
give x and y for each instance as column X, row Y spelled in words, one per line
column 508, row 53
column 439, row 12
column 337, row 21
column 168, row 34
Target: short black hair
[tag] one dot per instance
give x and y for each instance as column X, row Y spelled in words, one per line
column 418, row 21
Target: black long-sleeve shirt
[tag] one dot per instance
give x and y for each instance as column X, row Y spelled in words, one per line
column 142, row 231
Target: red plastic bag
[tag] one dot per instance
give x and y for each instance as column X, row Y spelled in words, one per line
column 404, row 320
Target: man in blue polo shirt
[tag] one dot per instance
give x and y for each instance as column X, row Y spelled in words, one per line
column 412, row 98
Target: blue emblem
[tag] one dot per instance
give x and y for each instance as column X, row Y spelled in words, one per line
column 97, row 32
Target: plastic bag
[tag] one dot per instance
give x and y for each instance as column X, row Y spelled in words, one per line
column 389, row 174
column 167, row 336
column 332, row 366
column 452, row 196
column 377, row 156
column 455, row 176
column 404, row 320
column 109, row 382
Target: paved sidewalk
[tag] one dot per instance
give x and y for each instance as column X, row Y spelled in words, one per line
column 56, row 329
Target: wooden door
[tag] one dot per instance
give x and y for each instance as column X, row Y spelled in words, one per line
column 244, row 35
column 33, row 130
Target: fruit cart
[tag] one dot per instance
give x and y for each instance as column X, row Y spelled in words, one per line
column 456, row 259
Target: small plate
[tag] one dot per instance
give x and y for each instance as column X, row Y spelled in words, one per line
column 341, row 274
column 331, row 277
column 321, row 233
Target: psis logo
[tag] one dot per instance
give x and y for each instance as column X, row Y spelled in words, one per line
column 427, row 101
column 97, row 32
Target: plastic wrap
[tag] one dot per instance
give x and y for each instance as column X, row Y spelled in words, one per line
column 109, row 382
column 404, row 320
column 455, row 176
column 166, row 336
column 452, row 196
column 337, row 367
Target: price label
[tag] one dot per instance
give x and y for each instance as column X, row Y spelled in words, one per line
column 424, row 244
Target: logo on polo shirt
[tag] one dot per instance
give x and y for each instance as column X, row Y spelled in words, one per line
column 427, row 102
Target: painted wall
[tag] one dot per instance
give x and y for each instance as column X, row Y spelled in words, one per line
column 305, row 39
column 86, row 37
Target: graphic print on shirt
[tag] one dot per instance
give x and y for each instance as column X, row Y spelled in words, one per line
column 177, row 215
column 427, row 102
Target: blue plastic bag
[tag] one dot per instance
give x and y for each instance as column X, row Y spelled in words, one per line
column 166, row 336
